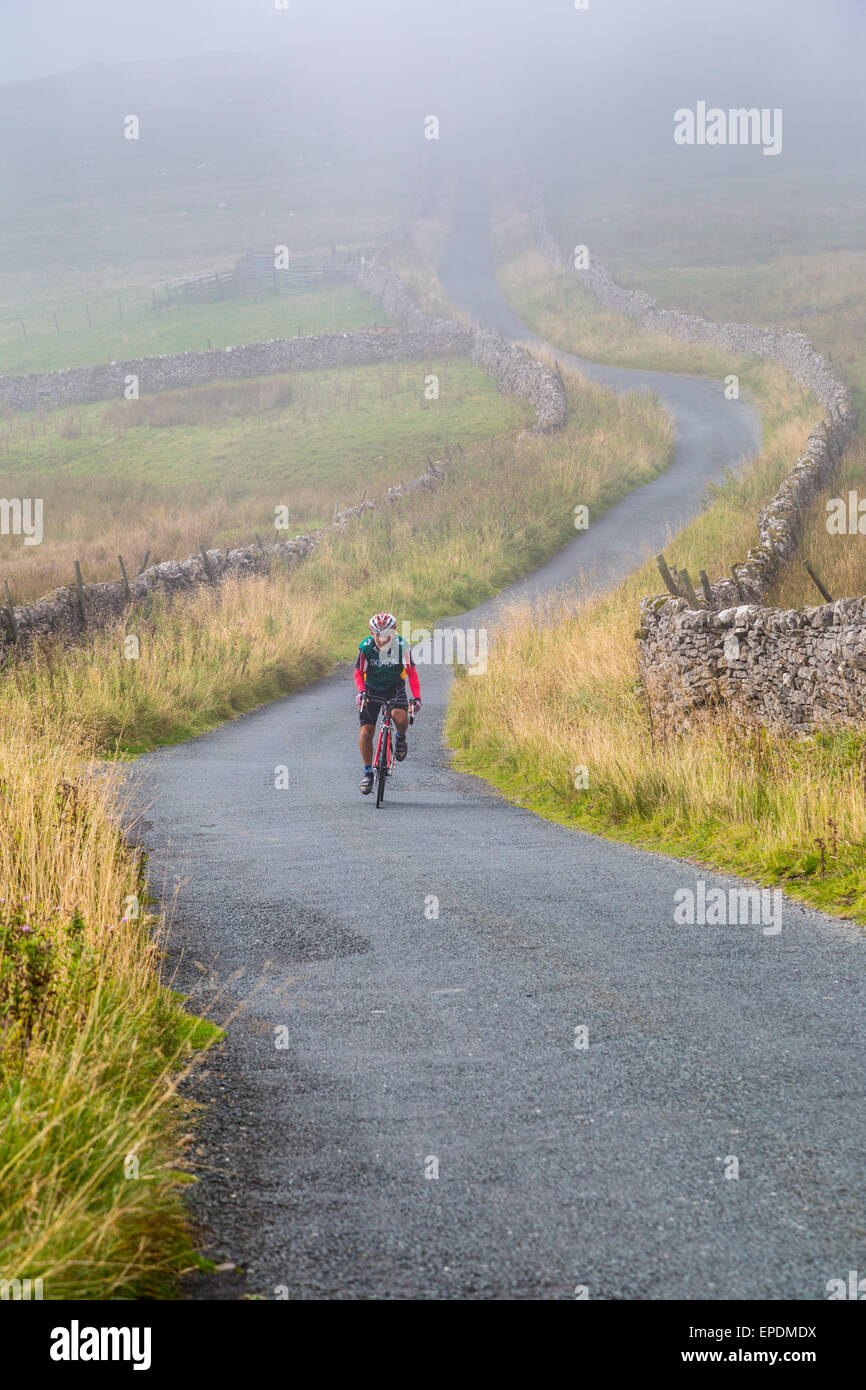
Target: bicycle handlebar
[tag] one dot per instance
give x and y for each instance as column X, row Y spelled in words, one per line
column 388, row 705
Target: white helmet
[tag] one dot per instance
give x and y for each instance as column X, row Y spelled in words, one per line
column 382, row 622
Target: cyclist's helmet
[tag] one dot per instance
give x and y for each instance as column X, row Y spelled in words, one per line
column 381, row 623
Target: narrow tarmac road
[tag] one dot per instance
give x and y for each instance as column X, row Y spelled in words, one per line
column 400, row 1109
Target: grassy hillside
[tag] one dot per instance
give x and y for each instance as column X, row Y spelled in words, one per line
column 795, row 259
column 210, row 464
column 83, row 328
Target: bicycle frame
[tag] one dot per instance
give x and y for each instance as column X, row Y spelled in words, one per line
column 385, row 731
column 383, row 761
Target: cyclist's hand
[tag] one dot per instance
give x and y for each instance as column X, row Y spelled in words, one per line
column 360, row 700
column 416, row 705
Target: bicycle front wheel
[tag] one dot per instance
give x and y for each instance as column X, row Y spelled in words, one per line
column 382, row 770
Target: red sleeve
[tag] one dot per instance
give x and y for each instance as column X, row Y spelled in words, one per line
column 412, row 673
column 360, row 676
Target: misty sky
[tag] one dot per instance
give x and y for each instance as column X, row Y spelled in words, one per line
column 807, row 39
column 601, row 84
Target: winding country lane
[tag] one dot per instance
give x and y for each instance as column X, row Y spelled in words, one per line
column 413, row 1039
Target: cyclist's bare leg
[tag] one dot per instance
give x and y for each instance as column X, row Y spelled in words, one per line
column 365, row 743
column 401, row 720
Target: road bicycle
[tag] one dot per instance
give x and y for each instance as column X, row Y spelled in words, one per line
column 383, row 762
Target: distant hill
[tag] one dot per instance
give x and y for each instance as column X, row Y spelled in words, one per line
column 214, row 118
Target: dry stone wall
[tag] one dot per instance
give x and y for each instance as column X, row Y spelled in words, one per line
column 169, row 371
column 792, row 350
column 512, row 368
column 794, row 671
column 57, row 617
column 421, row 337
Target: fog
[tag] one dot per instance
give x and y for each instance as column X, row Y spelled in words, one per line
column 579, row 92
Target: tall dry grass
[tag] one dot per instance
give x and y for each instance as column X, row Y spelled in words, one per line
column 92, row 1045
column 785, row 811
column 765, row 807
column 838, row 560
column 200, row 405
column 562, row 311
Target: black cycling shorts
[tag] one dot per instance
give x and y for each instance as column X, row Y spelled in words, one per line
column 377, row 698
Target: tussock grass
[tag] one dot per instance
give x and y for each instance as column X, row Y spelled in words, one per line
column 765, row 807
column 562, row 311
column 220, row 400
column 838, row 560
column 91, row 1045
column 756, row 804
column 201, row 660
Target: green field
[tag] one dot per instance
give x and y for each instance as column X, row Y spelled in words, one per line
column 792, row 258
column 70, row 256
column 113, row 481
column 108, row 233
column 122, row 324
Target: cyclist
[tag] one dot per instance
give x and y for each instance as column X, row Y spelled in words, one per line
column 383, row 663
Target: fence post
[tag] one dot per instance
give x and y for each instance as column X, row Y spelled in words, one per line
column 813, row 576
column 207, row 565
column 667, row 577
column 705, row 585
column 144, row 562
column 10, row 611
column 125, row 579
column 80, row 587
column 689, row 588
column 737, row 584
